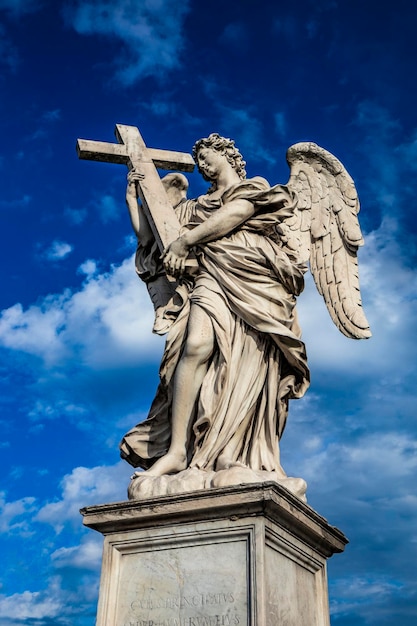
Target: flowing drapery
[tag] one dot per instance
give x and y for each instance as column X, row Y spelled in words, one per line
column 247, row 284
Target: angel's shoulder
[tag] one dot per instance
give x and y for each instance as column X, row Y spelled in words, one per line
column 246, row 188
column 258, row 181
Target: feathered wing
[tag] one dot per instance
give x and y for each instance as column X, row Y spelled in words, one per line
column 326, row 223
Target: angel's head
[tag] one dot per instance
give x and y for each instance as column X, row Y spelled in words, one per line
column 206, row 153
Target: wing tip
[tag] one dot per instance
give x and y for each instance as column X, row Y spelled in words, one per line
column 354, row 332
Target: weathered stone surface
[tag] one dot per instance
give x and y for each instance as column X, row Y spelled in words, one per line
column 133, row 152
column 252, row 555
column 234, row 356
column 143, row 485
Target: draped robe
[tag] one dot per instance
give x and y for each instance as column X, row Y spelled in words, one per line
column 247, row 284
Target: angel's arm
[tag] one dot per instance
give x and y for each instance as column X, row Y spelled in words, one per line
column 220, row 223
column 138, row 219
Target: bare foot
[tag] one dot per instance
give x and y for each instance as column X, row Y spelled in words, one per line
column 171, row 463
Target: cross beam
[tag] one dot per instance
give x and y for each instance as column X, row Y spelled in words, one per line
column 132, row 151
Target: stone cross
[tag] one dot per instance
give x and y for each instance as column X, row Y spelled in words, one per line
column 132, row 151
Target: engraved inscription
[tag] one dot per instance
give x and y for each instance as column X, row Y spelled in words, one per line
column 193, row 585
column 219, row 600
column 212, row 620
column 202, row 599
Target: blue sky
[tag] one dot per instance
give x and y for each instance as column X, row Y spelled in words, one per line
column 78, row 360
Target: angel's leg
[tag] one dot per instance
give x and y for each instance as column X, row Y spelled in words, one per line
column 188, row 379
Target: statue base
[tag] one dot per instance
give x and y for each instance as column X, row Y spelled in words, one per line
column 143, row 485
column 252, row 555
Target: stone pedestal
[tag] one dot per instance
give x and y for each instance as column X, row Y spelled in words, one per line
column 251, row 555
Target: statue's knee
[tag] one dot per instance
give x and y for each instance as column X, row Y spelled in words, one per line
column 197, row 347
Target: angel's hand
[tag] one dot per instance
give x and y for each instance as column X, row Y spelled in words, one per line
column 134, row 176
column 174, row 257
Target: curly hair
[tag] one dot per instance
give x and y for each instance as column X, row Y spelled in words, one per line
column 225, row 146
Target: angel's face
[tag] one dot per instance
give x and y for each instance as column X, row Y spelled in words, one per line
column 210, row 163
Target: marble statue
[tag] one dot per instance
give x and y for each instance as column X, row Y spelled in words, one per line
column 234, row 356
column 224, row 290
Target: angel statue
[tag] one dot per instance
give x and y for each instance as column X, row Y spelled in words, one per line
column 234, row 356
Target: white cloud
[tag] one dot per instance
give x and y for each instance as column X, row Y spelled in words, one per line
column 362, row 588
column 13, row 515
column 36, row 330
column 398, row 460
column 88, row 268
column 151, row 32
column 30, row 605
column 85, row 487
column 87, row 555
column 365, row 482
column 389, row 290
column 60, row 603
column 365, row 595
column 108, row 321
column 58, row 250
column 74, row 590
column 44, row 410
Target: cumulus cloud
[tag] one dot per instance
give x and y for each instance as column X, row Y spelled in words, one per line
column 19, row 607
column 14, row 514
column 84, row 487
column 389, row 289
column 387, row 457
column 361, row 474
column 88, row 268
column 88, row 358
column 372, row 477
column 85, row 556
column 371, row 599
column 72, row 584
column 388, row 281
column 57, row 409
column 97, row 325
column 60, row 603
column 151, row 32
